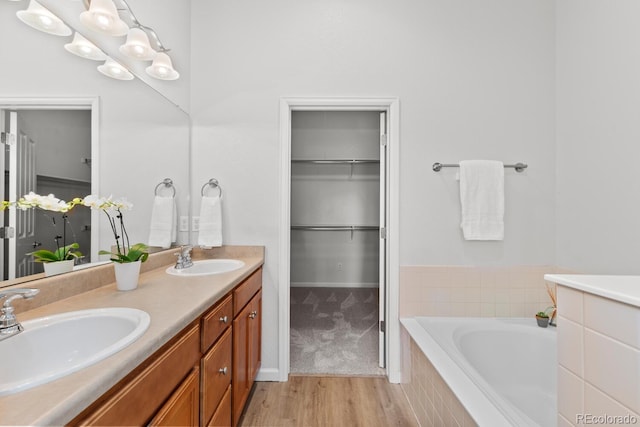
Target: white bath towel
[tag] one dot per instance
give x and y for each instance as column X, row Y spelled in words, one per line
column 210, row 233
column 163, row 228
column 482, row 199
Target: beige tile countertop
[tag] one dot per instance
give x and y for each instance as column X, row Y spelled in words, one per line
column 172, row 302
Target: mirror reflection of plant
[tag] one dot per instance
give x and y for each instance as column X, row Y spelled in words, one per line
column 113, row 210
column 54, row 204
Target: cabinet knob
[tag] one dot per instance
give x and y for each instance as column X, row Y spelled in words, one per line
column 224, row 319
column 223, row 371
column 253, row 314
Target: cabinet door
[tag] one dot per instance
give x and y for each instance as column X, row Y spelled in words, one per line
column 246, row 353
column 182, row 407
column 222, row 417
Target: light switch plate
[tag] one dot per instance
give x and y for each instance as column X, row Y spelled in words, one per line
column 184, row 223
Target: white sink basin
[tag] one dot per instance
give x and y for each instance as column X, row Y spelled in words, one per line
column 54, row 346
column 206, row 267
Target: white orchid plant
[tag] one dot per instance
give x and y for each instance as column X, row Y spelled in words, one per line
column 49, row 203
column 113, row 210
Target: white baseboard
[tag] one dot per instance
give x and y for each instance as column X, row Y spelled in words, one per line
column 268, row 374
column 333, row 285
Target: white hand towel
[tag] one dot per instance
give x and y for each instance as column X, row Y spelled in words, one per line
column 482, row 199
column 163, row 222
column 210, row 233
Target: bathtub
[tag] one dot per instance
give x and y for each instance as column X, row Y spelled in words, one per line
column 503, row 371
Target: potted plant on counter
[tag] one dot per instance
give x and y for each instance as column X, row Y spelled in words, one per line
column 127, row 258
column 543, row 319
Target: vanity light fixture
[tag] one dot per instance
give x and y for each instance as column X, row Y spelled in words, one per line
column 40, row 18
column 137, row 46
column 103, row 17
column 112, row 69
column 162, row 69
column 84, row 48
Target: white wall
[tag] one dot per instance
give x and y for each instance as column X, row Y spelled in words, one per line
column 598, row 98
column 143, row 137
column 475, row 80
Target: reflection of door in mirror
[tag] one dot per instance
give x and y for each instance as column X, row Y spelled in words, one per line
column 49, row 152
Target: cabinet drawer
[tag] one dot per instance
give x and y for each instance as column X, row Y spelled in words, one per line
column 222, row 417
column 245, row 291
column 135, row 402
column 216, row 375
column 215, row 323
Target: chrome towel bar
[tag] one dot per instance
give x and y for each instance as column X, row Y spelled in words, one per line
column 519, row 167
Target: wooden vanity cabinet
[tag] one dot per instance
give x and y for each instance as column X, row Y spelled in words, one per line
column 203, row 376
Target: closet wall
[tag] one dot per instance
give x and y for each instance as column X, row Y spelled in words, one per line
column 328, row 198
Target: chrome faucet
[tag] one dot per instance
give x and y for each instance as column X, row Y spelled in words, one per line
column 184, row 258
column 8, row 322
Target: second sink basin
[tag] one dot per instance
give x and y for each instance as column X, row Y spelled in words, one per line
column 207, row 267
column 54, row 346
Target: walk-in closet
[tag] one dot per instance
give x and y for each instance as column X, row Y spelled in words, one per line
column 337, row 200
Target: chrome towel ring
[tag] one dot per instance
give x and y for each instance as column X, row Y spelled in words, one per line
column 212, row 183
column 168, row 183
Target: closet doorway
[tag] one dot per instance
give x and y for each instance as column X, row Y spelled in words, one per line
column 337, row 242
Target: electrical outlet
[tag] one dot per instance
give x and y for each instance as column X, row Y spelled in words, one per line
column 195, row 223
column 184, row 223
column 339, row 266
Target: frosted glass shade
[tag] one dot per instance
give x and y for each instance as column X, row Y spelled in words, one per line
column 137, row 46
column 112, row 69
column 161, row 68
column 103, row 17
column 38, row 17
column 84, row 48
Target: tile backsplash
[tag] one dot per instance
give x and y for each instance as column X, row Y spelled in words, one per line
column 469, row 291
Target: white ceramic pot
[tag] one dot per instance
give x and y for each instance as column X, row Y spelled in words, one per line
column 58, row 267
column 127, row 274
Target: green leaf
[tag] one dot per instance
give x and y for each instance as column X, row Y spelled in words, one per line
column 61, row 254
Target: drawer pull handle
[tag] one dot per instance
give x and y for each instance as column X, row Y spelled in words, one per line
column 253, row 314
column 224, row 319
column 223, row 371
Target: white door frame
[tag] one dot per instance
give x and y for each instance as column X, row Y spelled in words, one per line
column 392, row 106
column 71, row 103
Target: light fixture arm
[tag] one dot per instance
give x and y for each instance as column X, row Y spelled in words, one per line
column 122, row 5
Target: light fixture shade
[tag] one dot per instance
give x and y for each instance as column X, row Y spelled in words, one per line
column 112, row 69
column 161, row 68
column 84, row 48
column 40, row 18
column 137, row 46
column 103, row 17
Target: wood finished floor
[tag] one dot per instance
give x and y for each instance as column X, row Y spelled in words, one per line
column 318, row 401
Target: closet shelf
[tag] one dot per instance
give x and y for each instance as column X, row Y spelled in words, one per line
column 351, row 228
column 335, row 162
column 335, row 227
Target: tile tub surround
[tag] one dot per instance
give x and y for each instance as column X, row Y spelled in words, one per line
column 598, row 349
column 172, row 302
column 472, row 291
column 432, row 401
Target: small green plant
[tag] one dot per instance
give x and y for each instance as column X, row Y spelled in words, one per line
column 542, row 314
column 61, row 254
column 139, row 251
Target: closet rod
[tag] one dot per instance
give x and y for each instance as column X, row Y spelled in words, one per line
column 336, row 162
column 334, row 227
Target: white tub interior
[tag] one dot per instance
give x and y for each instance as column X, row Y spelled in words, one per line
column 511, row 363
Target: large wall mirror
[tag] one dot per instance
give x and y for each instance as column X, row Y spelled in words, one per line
column 94, row 135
